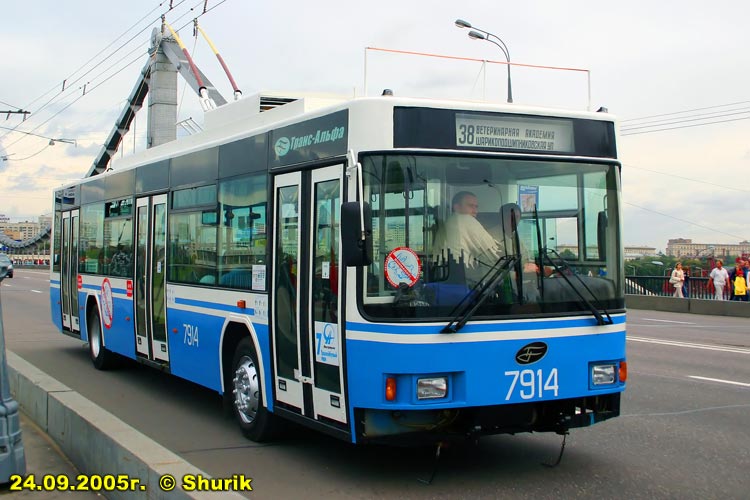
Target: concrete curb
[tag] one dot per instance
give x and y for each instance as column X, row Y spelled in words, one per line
column 96, row 441
column 692, row 306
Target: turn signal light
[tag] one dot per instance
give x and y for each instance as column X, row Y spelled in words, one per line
column 390, row 389
column 623, row 371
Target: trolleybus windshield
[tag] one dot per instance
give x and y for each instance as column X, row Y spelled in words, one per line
column 440, row 223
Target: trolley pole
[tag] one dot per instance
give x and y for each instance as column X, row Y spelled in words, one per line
column 12, row 455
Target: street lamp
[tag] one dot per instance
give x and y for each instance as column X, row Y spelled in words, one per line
column 657, row 263
column 66, row 141
column 635, row 273
column 479, row 34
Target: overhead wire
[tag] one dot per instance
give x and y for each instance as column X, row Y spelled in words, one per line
column 63, row 89
column 31, row 155
column 140, row 57
column 685, row 119
column 713, row 229
column 205, row 11
column 685, row 122
column 699, row 181
column 685, row 111
column 9, row 105
column 28, row 133
column 99, row 53
column 684, row 126
column 71, row 85
column 696, row 117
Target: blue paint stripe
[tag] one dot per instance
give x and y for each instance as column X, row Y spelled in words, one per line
column 480, row 327
column 95, row 288
column 212, row 305
column 188, row 302
column 55, row 282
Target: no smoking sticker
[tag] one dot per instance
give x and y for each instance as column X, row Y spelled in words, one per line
column 402, row 265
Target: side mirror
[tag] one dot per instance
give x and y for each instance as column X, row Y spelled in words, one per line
column 355, row 250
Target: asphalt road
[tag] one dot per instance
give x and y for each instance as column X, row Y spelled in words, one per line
column 683, row 432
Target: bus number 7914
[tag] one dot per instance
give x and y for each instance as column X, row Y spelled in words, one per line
column 531, row 383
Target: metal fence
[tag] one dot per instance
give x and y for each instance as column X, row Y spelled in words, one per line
column 695, row 288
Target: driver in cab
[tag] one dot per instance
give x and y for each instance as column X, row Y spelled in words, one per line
column 462, row 237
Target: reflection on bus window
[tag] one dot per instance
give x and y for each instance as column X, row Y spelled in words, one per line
column 544, row 218
column 242, row 233
column 192, row 248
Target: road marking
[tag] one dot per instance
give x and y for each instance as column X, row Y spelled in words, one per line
column 685, row 412
column 691, row 345
column 36, row 291
column 743, row 384
column 669, row 321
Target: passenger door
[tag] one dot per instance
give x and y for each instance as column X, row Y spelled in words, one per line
column 150, row 278
column 305, row 317
column 69, row 272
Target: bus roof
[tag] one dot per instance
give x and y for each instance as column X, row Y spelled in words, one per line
column 269, row 110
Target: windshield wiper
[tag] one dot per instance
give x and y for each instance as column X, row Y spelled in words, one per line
column 594, row 310
column 466, row 307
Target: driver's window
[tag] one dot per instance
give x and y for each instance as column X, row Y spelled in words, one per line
column 594, row 220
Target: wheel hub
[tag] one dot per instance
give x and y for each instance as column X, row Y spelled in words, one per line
column 246, row 390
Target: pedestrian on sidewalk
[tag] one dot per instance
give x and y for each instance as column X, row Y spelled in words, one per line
column 677, row 280
column 720, row 278
column 739, row 283
column 685, row 286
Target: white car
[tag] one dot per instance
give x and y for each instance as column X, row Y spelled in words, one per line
column 6, row 264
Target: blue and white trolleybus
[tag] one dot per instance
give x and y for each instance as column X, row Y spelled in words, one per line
column 313, row 263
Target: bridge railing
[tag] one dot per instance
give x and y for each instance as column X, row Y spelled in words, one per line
column 695, row 288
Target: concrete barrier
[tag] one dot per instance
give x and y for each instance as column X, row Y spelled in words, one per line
column 691, row 306
column 96, row 441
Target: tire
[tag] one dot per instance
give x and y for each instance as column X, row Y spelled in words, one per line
column 255, row 421
column 101, row 357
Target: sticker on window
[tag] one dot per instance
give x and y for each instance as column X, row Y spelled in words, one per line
column 402, row 265
column 326, row 343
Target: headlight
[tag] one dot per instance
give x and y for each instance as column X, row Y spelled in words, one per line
column 603, row 374
column 432, row 388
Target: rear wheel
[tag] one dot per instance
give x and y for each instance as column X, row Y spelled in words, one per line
column 256, row 422
column 101, row 357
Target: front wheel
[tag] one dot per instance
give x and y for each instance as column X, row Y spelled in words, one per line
column 256, row 422
column 101, row 357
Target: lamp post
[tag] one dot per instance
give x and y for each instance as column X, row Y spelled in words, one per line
column 479, row 34
column 66, row 141
column 635, row 272
column 657, row 263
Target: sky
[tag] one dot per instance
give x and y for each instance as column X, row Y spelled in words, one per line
column 665, row 69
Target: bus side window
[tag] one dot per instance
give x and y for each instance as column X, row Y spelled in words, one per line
column 242, row 236
column 192, row 248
